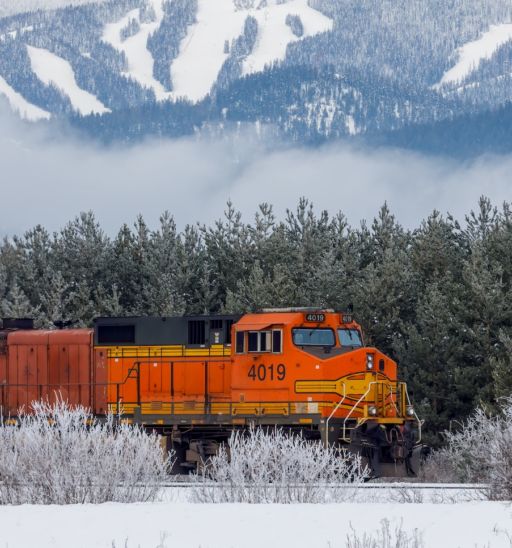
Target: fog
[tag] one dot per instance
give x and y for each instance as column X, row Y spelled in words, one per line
column 46, row 179
column 12, row 7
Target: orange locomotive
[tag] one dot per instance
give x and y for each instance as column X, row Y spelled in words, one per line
column 196, row 378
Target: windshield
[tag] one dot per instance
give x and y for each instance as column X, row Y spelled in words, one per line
column 350, row 337
column 313, row 337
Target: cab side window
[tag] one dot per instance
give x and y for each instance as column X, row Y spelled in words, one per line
column 260, row 341
column 240, row 342
column 277, row 341
column 253, row 341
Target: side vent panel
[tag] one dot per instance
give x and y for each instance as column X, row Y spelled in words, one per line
column 116, row 334
column 196, row 332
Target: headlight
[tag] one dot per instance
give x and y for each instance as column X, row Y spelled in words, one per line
column 410, row 411
column 372, row 411
column 369, row 361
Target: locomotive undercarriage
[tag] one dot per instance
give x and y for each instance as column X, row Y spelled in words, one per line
column 388, row 450
column 194, row 446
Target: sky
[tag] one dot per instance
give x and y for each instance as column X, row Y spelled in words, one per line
column 46, row 179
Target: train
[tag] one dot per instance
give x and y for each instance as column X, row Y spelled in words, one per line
column 195, row 379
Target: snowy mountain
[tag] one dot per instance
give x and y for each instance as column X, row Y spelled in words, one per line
column 307, row 69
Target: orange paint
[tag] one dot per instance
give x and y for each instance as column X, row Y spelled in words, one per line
column 271, row 373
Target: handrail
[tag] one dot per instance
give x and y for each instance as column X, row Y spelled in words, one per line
column 227, row 407
column 331, row 415
column 168, row 352
column 389, row 391
column 354, row 407
column 420, row 422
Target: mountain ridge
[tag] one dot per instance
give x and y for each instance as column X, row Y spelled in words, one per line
column 314, row 70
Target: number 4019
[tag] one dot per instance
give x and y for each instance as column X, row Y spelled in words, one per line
column 271, row 372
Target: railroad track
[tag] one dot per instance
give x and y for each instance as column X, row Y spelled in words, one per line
column 380, row 485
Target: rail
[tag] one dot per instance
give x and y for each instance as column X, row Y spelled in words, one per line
column 171, row 351
column 394, row 485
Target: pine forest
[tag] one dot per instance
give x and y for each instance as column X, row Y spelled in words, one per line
column 437, row 298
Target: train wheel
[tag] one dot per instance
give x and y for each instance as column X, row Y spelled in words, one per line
column 180, row 466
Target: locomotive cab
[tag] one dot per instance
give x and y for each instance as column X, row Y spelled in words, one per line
column 314, row 363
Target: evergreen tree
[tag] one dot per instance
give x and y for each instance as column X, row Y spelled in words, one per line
column 251, row 294
column 486, row 308
column 123, row 269
column 385, row 292
column 57, row 302
column 17, row 305
column 438, row 249
column 438, row 299
column 194, row 277
column 3, row 281
column 34, row 274
column 431, row 354
column 82, row 304
column 501, row 365
column 162, row 293
column 228, row 254
column 109, row 302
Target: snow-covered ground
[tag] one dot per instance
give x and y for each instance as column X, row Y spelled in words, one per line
column 274, row 34
column 202, row 51
column 472, row 53
column 140, row 61
column 183, row 525
column 20, row 105
column 370, row 492
column 53, row 70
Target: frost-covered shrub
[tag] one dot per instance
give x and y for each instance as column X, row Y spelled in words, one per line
column 62, row 455
column 466, row 456
column 273, row 467
column 386, row 538
column 481, row 452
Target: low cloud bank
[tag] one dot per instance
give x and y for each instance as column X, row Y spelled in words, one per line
column 47, row 179
column 12, row 7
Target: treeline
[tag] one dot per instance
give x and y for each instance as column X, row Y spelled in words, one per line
column 437, row 298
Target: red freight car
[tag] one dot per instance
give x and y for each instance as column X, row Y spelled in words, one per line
column 50, row 364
